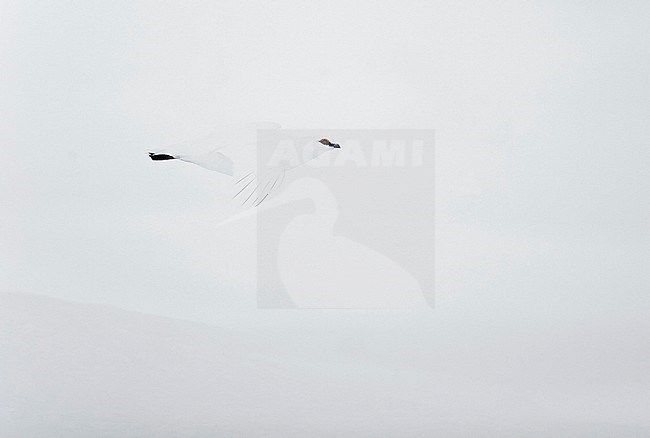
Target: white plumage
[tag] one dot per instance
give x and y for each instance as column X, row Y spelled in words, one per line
column 233, row 150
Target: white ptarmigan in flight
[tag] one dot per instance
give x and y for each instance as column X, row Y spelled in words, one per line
column 232, row 150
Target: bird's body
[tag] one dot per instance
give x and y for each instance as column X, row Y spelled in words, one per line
column 233, row 150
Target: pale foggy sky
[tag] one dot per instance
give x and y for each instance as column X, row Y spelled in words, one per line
column 539, row 111
column 541, row 114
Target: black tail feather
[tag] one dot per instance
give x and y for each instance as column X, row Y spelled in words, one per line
column 160, row 157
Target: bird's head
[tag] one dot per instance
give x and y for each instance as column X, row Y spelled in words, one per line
column 326, row 142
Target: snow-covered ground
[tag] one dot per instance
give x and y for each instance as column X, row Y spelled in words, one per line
column 80, row 370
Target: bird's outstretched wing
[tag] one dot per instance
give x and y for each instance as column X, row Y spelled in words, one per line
column 253, row 188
